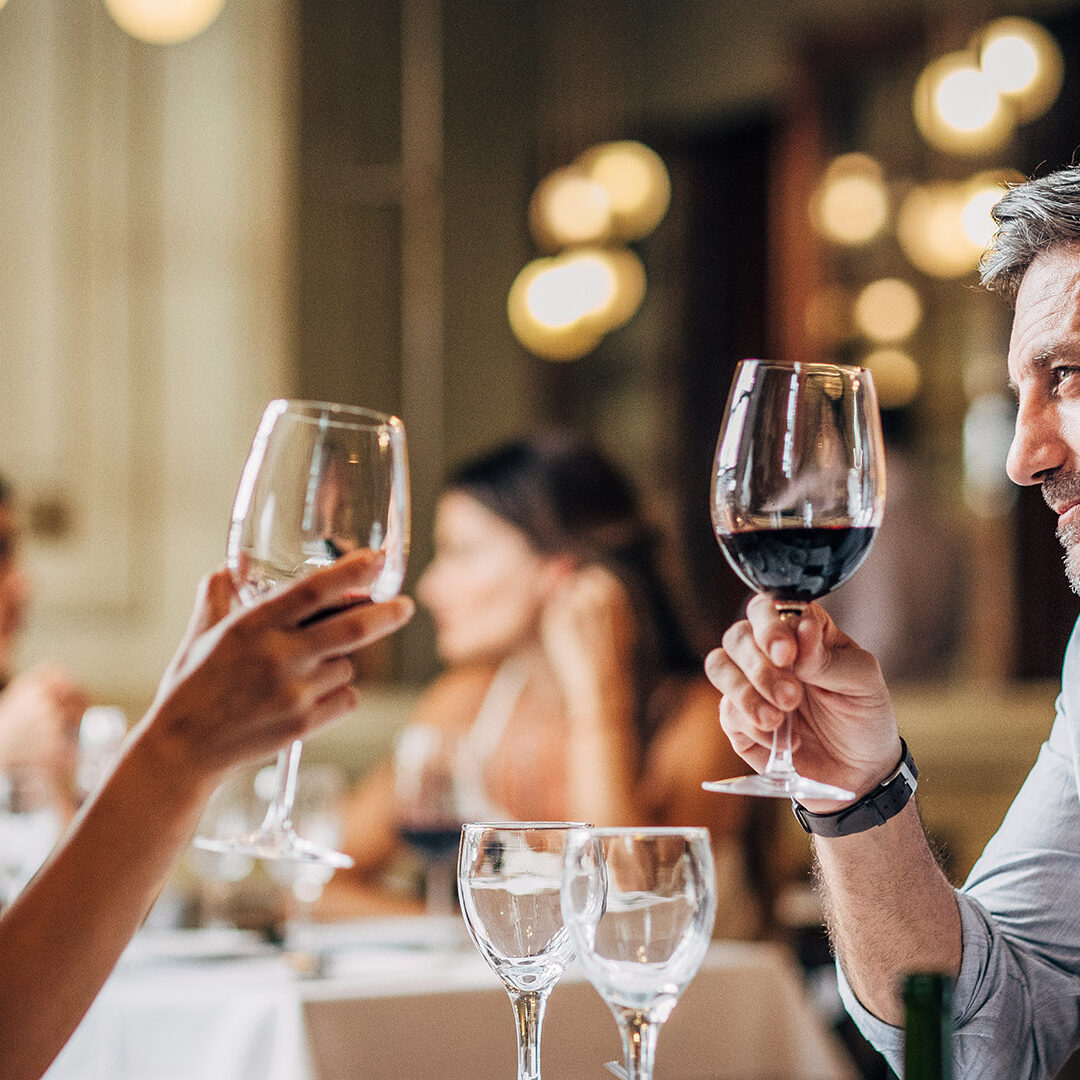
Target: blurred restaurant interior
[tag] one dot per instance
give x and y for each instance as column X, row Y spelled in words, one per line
column 334, row 199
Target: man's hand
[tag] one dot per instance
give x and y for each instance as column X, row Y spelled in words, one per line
column 844, row 729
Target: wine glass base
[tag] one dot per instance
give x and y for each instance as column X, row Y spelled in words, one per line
column 792, row 786
column 283, row 846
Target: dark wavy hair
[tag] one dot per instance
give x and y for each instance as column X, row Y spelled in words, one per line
column 568, row 497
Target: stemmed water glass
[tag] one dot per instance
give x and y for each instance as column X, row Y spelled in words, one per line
column 321, row 480
column 509, row 881
column 640, row 906
column 798, row 491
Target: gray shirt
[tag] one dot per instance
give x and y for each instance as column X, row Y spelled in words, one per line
column 1017, row 997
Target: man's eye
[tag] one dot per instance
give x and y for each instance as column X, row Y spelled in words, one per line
column 1064, row 373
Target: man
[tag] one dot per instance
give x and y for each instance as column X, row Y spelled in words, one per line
column 1012, row 935
column 40, row 709
column 243, row 684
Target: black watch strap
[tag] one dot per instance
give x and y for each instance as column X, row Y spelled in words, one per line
column 874, row 808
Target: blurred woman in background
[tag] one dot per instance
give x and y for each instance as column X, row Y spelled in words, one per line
column 571, row 686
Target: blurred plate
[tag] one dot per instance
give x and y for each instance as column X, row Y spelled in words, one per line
column 212, row 943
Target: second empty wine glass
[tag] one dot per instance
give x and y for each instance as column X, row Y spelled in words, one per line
column 509, row 882
column 640, row 906
column 321, row 480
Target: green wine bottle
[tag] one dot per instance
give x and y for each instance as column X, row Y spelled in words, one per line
column 928, row 1026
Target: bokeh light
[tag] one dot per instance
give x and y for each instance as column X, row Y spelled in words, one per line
column 569, row 208
column 896, row 377
column 851, row 203
column 560, row 307
column 1023, row 61
column 980, row 194
column 888, row 310
column 958, row 109
column 988, row 432
column 164, row 22
column 930, row 228
column 637, row 184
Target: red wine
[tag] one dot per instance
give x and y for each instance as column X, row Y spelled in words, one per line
column 796, row 564
column 433, row 841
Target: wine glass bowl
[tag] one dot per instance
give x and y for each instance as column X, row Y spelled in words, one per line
column 321, row 480
column 509, row 886
column 798, row 491
column 640, row 906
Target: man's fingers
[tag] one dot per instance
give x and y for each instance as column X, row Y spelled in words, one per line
column 774, row 634
column 740, row 693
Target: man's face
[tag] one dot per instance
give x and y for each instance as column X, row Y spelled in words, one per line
column 1044, row 370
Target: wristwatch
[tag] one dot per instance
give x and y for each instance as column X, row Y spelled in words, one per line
column 874, row 808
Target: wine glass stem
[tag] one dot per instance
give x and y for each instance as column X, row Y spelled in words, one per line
column 780, row 764
column 279, row 812
column 639, row 1035
column 529, row 1014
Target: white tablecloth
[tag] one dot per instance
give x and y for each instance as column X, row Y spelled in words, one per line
column 399, row 1001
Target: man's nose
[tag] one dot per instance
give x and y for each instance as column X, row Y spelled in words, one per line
column 1038, row 445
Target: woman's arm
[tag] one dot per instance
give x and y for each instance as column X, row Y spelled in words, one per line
column 690, row 747
column 241, row 685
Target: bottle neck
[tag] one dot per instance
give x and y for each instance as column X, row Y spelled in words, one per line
column 928, row 1026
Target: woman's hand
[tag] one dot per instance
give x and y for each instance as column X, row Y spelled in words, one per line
column 843, row 731
column 246, row 682
column 587, row 630
column 588, row 636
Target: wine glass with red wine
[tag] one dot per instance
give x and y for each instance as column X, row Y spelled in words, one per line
column 798, row 491
column 428, row 806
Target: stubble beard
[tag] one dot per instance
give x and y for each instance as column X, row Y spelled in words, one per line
column 1056, row 490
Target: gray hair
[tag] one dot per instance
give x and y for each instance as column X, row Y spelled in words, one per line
column 1032, row 218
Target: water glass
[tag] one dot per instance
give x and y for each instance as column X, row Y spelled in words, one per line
column 509, row 881
column 639, row 905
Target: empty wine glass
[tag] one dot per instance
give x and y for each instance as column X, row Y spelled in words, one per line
column 509, row 880
column 639, row 905
column 321, row 480
column 798, row 491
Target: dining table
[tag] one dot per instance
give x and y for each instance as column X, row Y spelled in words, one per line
column 401, row 998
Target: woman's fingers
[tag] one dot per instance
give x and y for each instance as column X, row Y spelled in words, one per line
column 354, row 627
column 349, row 579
